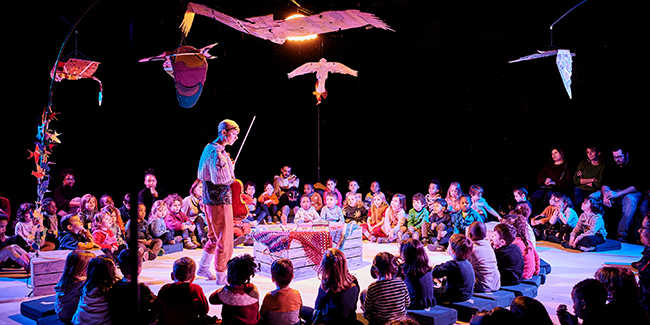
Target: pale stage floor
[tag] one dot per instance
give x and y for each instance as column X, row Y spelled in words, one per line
column 568, row 268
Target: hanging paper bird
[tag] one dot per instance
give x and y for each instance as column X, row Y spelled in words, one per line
column 277, row 31
column 189, row 67
column 75, row 69
column 321, row 68
column 563, row 61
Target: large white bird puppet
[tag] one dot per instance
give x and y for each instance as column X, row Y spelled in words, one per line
column 321, row 68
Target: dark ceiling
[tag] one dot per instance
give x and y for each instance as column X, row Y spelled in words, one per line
column 434, row 99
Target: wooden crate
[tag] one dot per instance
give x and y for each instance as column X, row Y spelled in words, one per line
column 303, row 268
column 46, row 270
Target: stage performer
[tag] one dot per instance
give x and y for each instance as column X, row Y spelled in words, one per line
column 217, row 172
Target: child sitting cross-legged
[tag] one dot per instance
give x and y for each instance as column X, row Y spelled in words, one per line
column 282, row 305
column 181, row 302
column 590, row 230
column 440, row 225
column 240, row 298
column 465, row 216
column 103, row 235
column 387, row 298
column 147, row 246
column 480, row 204
column 417, row 220
column 330, row 212
column 306, row 213
column 458, row 284
column 372, row 230
column 354, row 210
column 73, row 235
column 8, row 250
column 179, row 223
column 395, row 218
column 157, row 226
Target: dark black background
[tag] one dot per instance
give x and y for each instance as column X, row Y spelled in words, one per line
column 434, row 99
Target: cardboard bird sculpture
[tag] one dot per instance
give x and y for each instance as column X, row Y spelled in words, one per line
column 322, row 68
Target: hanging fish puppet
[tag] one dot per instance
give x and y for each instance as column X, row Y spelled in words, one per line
column 75, row 69
column 277, row 31
column 189, row 67
column 322, row 68
column 563, row 61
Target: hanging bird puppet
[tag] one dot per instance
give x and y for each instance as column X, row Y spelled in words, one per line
column 189, row 67
column 321, row 68
column 563, row 61
column 277, row 31
column 75, row 69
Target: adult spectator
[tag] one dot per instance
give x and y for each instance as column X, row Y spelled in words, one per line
column 553, row 177
column 589, row 175
column 283, row 182
column 621, row 187
column 66, row 196
column 151, row 192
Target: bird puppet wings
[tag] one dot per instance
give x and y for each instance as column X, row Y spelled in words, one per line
column 277, row 31
column 189, row 67
column 563, row 61
column 321, row 68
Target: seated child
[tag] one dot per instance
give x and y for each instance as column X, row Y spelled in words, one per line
column 306, row 213
column 118, row 230
column 269, row 202
column 589, row 298
column 529, row 310
column 454, row 192
column 254, row 206
column 465, row 216
column 103, row 236
column 480, row 205
column 147, row 246
column 240, row 298
column 119, row 296
column 282, row 305
column 330, row 212
column 373, row 229
column 623, row 294
column 50, row 221
column 9, row 250
column 179, row 223
column 338, row 293
column 510, row 260
column 68, row 289
column 433, row 194
column 417, row 274
column 181, row 302
column 417, row 220
column 529, row 253
column 560, row 219
column 387, row 298
column 374, row 189
column 29, row 226
column 522, row 210
column 87, row 209
column 316, row 199
column 353, row 187
column 354, row 211
column 483, row 259
column 331, row 187
column 521, row 196
column 93, row 305
column 394, row 219
column 157, row 226
column 290, row 203
column 73, row 235
column 459, row 274
column 440, row 226
column 590, row 230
